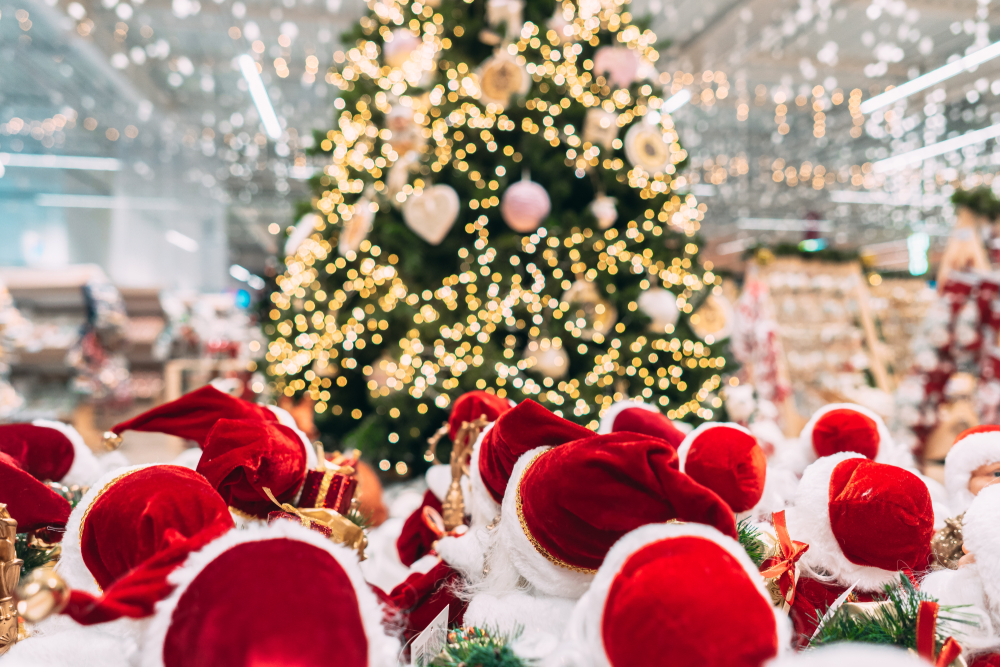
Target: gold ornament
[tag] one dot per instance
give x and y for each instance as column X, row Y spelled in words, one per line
column 548, row 358
column 453, row 506
column 432, row 212
column 111, row 441
column 356, row 228
column 405, row 132
column 500, row 77
column 947, row 543
column 714, row 319
column 586, row 302
column 42, row 594
column 645, row 147
column 10, row 573
column 600, row 127
column 342, row 530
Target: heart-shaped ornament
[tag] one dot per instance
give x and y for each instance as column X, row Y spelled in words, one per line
column 432, row 212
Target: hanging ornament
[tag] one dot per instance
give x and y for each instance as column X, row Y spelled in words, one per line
column 524, row 205
column 586, row 302
column 714, row 319
column 303, row 228
column 396, row 51
column 645, row 147
column 660, row 305
column 548, row 358
column 600, row 127
column 405, row 132
column 603, row 208
column 508, row 13
column 620, row 63
column 500, row 77
column 399, row 175
column 562, row 27
column 432, row 212
column 356, row 228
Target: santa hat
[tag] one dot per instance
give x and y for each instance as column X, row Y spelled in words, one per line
column 243, row 457
column 973, row 448
column 133, row 514
column 851, row 655
column 50, row 451
column 522, row 428
column 30, row 502
column 846, row 427
column 678, row 594
column 726, row 458
column 863, row 521
column 566, row 506
column 638, row 417
column 472, row 405
column 275, row 595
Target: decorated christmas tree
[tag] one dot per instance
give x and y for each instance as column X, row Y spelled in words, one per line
column 502, row 210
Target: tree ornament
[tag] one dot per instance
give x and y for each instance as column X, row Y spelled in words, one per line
column 620, row 63
column 563, row 28
column 548, row 358
column 604, row 209
column 303, row 228
column 645, row 147
column 600, row 127
column 524, row 205
column 660, row 305
column 500, row 77
column 356, row 228
column 10, row 573
column 405, row 132
column 432, row 212
column 396, row 51
column 714, row 319
column 586, row 302
column 508, row 13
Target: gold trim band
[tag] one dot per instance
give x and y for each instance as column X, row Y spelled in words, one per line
column 324, row 488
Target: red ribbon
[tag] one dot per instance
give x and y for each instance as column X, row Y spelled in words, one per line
column 927, row 617
column 782, row 566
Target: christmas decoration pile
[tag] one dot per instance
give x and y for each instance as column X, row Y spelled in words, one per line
column 538, row 542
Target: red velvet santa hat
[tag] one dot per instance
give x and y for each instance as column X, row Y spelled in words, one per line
column 638, row 417
column 847, row 427
column 133, row 514
column 522, row 428
column 50, row 451
column 30, row 502
column 475, row 404
column 863, row 521
column 973, row 448
column 566, row 506
column 269, row 595
column 726, row 458
column 689, row 592
column 241, row 457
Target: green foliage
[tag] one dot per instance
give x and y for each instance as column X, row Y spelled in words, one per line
column 33, row 557
column 749, row 537
column 475, row 647
column 360, row 520
column 980, row 201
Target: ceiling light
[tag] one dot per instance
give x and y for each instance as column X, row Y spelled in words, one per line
column 921, row 154
column 55, row 200
column 182, row 241
column 248, row 66
column 60, row 162
column 675, row 102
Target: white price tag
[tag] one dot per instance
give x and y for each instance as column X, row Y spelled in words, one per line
column 428, row 644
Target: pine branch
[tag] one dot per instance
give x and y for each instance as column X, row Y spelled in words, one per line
column 360, row 520
column 475, row 647
column 749, row 537
column 33, row 557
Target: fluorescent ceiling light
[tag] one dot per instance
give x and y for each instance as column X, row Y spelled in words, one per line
column 106, row 201
column 243, row 275
column 182, row 241
column 60, row 162
column 921, row 154
column 932, row 78
column 880, row 198
column 675, row 102
column 784, row 225
column 260, row 99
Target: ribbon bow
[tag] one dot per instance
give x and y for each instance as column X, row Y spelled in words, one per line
column 782, row 564
column 342, row 530
column 927, row 635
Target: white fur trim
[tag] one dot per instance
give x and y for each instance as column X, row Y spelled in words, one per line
column 60, row 642
column 779, row 489
column 71, row 566
column 969, row 453
column 851, row 655
column 608, row 420
column 809, row 522
column 964, row 588
column 465, row 553
column 981, row 532
column 481, row 505
column 85, row 468
column 588, row 615
column 888, row 450
column 685, row 447
column 438, row 480
column 541, row 619
column 286, row 419
column 541, row 573
column 939, row 500
column 382, row 650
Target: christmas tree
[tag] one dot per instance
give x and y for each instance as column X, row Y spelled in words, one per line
column 502, row 210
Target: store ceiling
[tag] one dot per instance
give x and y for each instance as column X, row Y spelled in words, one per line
column 165, row 95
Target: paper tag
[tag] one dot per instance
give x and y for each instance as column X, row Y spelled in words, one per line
column 428, row 644
column 832, row 610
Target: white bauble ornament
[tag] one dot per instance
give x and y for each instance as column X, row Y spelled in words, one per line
column 524, row 205
column 548, row 358
column 303, row 228
column 604, row 209
column 397, row 51
column 356, row 229
column 432, row 212
column 660, row 305
column 645, row 147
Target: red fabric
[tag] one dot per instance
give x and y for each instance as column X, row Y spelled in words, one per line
column 648, row 422
column 577, row 500
column 339, row 492
column 194, row 414
column 985, row 428
column 148, row 512
column 45, row 453
column 985, row 660
column 473, row 405
column 32, row 504
column 241, row 457
column 730, row 462
column 845, row 430
column 268, row 603
column 422, row 597
column 686, row 601
column 416, row 538
column 522, row 428
column 881, row 515
column 812, row 599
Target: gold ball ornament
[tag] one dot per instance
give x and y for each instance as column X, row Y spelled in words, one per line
column 432, row 212
column 548, row 358
column 524, row 205
column 660, row 305
column 600, row 127
column 713, row 320
column 396, row 51
column 356, row 228
column 41, row 594
column 645, row 147
column 585, row 301
column 405, row 132
column 500, row 77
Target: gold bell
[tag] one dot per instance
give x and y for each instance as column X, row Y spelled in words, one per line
column 111, row 441
column 41, row 594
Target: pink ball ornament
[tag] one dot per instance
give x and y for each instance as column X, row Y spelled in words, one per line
column 524, row 205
